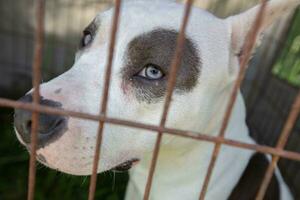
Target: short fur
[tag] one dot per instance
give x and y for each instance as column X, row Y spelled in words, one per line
column 213, row 47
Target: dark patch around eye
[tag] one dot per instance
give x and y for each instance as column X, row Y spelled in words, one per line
column 158, row 47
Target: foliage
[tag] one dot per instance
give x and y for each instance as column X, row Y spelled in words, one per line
column 288, row 64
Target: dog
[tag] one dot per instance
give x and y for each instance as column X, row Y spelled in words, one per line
column 146, row 41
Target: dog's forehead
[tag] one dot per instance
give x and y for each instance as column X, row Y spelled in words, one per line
column 138, row 17
column 153, row 29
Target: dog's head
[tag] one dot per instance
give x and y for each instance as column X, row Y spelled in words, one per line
column 144, row 49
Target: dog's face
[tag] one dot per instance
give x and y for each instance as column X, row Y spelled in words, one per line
column 144, row 49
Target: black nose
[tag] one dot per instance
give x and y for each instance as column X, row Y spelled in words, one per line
column 50, row 126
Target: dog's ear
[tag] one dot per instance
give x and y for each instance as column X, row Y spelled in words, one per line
column 242, row 23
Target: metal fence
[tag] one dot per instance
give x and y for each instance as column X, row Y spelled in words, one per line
column 276, row 152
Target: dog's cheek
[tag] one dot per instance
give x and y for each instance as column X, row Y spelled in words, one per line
column 73, row 152
column 126, row 88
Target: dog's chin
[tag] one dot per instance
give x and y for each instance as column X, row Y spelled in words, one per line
column 123, row 167
column 80, row 168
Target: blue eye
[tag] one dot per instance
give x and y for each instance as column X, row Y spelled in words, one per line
column 151, row 72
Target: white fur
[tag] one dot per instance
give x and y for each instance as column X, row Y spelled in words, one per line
column 182, row 162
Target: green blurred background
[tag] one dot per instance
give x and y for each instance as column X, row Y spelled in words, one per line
column 288, row 64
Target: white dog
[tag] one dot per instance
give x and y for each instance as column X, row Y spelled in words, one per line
column 145, row 47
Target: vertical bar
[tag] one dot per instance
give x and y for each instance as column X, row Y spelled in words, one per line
column 244, row 59
column 287, row 129
column 38, row 47
column 170, row 87
column 104, row 99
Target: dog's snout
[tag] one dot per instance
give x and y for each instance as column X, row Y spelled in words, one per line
column 50, row 126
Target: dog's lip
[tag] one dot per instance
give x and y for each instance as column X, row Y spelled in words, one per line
column 125, row 166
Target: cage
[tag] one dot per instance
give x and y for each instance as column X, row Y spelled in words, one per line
column 270, row 87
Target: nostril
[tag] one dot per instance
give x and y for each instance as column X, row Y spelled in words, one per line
column 59, row 122
column 50, row 127
column 28, row 126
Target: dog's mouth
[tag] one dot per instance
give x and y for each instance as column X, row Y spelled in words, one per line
column 125, row 166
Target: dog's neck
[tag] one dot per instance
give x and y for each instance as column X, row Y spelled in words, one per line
column 184, row 169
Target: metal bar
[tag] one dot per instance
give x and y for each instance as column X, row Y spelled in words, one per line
column 105, row 96
column 287, row 130
column 181, row 133
column 38, row 48
column 170, row 88
column 243, row 60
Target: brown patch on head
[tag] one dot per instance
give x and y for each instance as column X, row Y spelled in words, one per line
column 158, row 47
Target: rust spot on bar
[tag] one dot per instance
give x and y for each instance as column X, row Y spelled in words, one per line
column 37, row 60
column 287, row 129
column 244, row 59
column 170, row 87
column 114, row 28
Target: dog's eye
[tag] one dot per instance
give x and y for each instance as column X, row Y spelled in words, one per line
column 86, row 39
column 151, row 72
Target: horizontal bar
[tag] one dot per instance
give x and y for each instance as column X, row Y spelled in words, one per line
column 181, row 133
